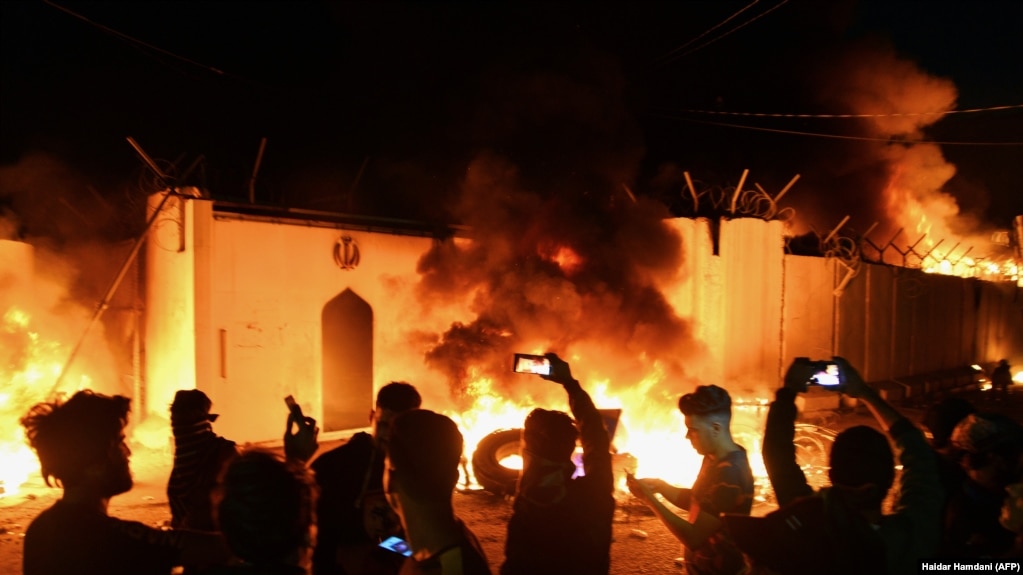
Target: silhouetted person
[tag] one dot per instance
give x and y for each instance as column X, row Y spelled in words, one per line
column 199, row 458
column 266, row 509
column 724, row 485
column 990, row 447
column 353, row 513
column 81, row 445
column 940, row 419
column 424, row 451
column 1001, row 379
column 562, row 525
column 841, row 529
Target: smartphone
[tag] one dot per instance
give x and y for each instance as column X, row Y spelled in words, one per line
column 529, row 363
column 293, row 407
column 398, row 545
column 826, row 376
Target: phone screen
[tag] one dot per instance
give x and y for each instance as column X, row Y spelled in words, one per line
column 535, row 364
column 829, row 377
column 398, row 545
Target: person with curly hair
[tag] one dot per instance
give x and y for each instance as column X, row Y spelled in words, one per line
column 81, row 447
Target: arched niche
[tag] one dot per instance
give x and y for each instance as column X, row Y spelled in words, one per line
column 347, row 324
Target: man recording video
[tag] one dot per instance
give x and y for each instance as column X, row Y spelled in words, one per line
column 841, row 529
column 559, row 524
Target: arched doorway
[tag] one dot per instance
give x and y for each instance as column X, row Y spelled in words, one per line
column 347, row 324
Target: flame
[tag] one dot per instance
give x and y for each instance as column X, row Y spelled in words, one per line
column 30, row 365
column 651, row 435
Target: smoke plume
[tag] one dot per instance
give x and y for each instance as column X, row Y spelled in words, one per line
column 576, row 272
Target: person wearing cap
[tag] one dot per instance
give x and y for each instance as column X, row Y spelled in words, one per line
column 199, row 456
column 724, row 485
column 989, row 447
column 560, row 525
column 841, row 528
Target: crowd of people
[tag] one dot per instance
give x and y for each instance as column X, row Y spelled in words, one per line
column 382, row 502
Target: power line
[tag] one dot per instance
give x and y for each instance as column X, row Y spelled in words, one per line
column 668, row 57
column 893, row 115
column 134, row 40
column 730, row 32
column 834, row 136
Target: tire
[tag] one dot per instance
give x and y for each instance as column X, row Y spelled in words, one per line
column 486, row 461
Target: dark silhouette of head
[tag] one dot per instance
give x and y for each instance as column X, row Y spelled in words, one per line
column 191, row 406
column 399, row 396
column 266, row 509
column 81, row 440
column 550, row 435
column 424, row 451
column 862, row 465
column 392, row 399
column 941, row 418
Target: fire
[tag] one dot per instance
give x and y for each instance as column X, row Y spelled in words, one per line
column 30, row 365
column 651, row 431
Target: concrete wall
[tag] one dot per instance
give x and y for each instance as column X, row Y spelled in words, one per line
column 240, row 306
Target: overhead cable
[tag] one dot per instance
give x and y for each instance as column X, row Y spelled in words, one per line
column 668, row 57
column 729, row 32
column 892, row 115
column 835, row 136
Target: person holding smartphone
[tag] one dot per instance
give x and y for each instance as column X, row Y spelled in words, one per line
column 724, row 485
column 559, row 524
column 842, row 529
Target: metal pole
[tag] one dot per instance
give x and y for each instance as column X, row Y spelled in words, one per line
column 738, row 189
column 112, row 289
column 692, row 192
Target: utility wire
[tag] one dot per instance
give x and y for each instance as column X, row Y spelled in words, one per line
column 834, row 136
column 728, row 33
column 134, row 40
column 668, row 56
column 894, row 115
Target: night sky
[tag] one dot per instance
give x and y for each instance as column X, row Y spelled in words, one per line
column 380, row 108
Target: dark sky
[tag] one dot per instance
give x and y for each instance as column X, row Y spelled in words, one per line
column 573, row 94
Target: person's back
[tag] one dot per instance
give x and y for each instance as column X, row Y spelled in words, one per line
column 862, row 470
column 562, row 525
column 199, row 457
column 69, row 536
column 265, row 507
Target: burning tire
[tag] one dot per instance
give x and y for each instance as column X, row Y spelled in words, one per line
column 486, row 461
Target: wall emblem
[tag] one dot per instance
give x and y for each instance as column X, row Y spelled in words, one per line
column 346, row 253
